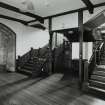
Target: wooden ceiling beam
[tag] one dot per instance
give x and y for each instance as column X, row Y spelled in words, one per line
column 31, row 21
column 13, row 19
column 22, row 21
column 89, row 5
column 12, row 8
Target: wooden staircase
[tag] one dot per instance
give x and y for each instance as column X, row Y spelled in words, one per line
column 34, row 62
column 94, row 76
column 97, row 79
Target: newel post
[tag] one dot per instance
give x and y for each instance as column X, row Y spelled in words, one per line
column 31, row 52
column 18, row 62
column 50, row 47
column 86, row 75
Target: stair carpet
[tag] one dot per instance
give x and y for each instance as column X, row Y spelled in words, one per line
column 32, row 67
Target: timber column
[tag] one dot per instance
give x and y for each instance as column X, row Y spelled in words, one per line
column 80, row 26
column 50, row 47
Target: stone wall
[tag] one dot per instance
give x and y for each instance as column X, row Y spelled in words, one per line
column 7, row 48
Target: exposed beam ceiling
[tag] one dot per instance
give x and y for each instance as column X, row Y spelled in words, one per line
column 41, row 19
column 31, row 21
column 12, row 8
column 23, row 22
column 89, row 5
column 38, row 26
column 13, row 19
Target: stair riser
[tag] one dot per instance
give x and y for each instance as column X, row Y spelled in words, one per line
column 99, row 73
column 98, row 85
column 28, row 68
column 98, row 78
column 102, row 63
column 29, row 64
column 34, row 73
column 25, row 72
column 100, row 69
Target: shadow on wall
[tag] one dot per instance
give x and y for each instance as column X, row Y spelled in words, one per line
column 7, row 48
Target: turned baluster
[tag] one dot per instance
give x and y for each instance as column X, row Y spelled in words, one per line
column 19, row 62
column 31, row 53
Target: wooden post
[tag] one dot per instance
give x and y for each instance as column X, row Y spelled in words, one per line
column 31, row 52
column 50, row 46
column 95, row 57
column 56, row 39
column 18, row 62
column 86, row 76
column 80, row 26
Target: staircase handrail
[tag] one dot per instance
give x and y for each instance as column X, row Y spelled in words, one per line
column 90, row 65
column 41, row 60
column 98, row 48
column 23, row 59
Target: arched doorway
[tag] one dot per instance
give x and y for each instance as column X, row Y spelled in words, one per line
column 7, row 48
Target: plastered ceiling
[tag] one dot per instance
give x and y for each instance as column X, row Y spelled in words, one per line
column 48, row 7
column 43, row 7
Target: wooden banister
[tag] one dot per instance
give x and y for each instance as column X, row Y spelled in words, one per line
column 86, row 70
column 94, row 60
column 40, row 58
column 23, row 59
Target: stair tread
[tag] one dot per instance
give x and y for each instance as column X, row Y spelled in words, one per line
column 27, row 70
column 98, row 77
column 30, row 64
column 100, row 73
column 101, row 66
column 27, row 67
column 24, row 70
column 97, row 89
column 100, row 82
column 99, row 69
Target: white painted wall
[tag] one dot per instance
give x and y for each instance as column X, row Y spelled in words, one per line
column 87, row 50
column 63, row 22
column 27, row 37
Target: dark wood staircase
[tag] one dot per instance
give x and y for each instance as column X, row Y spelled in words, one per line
column 34, row 62
column 94, row 76
column 97, row 78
